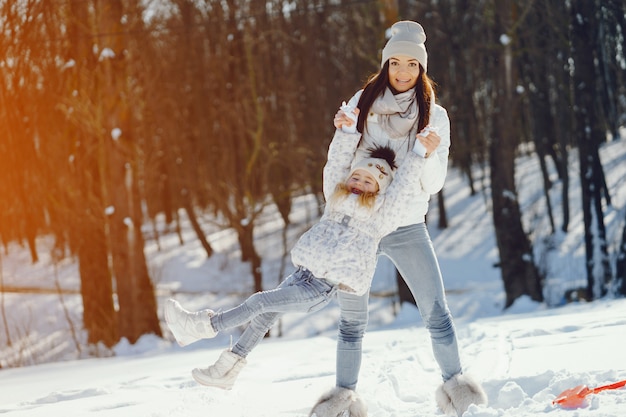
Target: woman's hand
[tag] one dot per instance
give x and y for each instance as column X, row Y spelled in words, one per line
column 430, row 139
column 342, row 119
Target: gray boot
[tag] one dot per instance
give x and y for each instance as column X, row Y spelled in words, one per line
column 459, row 392
column 339, row 402
column 223, row 373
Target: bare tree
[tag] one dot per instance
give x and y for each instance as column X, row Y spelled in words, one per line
column 22, row 208
column 519, row 273
column 542, row 63
column 86, row 204
column 589, row 134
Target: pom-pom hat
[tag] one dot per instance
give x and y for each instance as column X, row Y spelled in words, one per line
column 407, row 38
column 380, row 164
column 378, row 168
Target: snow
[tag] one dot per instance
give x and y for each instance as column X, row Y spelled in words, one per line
column 116, row 133
column 524, row 356
column 106, row 53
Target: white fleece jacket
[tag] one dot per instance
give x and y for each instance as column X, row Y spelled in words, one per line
column 342, row 246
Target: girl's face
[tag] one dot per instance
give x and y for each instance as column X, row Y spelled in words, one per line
column 361, row 181
column 403, row 72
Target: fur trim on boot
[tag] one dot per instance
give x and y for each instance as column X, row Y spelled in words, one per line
column 456, row 395
column 339, row 402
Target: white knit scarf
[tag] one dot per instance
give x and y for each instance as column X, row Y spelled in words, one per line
column 397, row 113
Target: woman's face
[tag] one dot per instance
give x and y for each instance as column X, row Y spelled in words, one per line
column 361, row 181
column 403, row 72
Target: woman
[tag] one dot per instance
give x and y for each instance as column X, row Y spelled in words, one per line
column 395, row 104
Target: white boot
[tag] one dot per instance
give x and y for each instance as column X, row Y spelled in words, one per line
column 186, row 326
column 223, row 373
column 456, row 395
column 339, row 402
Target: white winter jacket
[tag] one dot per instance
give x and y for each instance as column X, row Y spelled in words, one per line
column 435, row 170
column 342, row 247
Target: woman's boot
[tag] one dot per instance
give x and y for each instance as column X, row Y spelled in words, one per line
column 459, row 392
column 339, row 402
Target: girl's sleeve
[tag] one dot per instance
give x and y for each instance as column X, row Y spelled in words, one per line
column 354, row 100
column 436, row 166
column 401, row 192
column 340, row 154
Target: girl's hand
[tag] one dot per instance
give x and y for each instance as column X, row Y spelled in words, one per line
column 342, row 119
column 430, row 139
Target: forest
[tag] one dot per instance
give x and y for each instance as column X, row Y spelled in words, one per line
column 116, row 111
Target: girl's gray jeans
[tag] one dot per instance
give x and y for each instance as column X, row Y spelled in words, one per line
column 299, row 292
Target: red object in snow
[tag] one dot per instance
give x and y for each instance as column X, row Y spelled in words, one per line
column 575, row 397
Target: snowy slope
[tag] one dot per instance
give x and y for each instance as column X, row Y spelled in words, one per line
column 524, row 357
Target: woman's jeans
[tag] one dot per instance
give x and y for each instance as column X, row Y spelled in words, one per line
column 299, row 292
column 412, row 252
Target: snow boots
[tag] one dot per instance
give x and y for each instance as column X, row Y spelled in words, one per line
column 188, row 327
column 223, row 373
column 339, row 402
column 456, row 395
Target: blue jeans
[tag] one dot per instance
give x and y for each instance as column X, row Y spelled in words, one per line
column 412, row 252
column 299, row 292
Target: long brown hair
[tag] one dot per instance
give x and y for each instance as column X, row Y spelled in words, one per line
column 379, row 81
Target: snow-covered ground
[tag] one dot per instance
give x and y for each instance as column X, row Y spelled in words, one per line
column 524, row 357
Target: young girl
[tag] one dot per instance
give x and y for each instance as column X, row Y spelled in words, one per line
column 336, row 254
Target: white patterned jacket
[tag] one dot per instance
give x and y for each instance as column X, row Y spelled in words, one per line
column 342, row 247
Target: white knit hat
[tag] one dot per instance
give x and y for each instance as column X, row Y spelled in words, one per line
column 407, row 38
column 378, row 168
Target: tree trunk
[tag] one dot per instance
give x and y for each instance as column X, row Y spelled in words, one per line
column 99, row 317
column 519, row 273
column 443, row 216
column 193, row 219
column 404, row 293
column 87, row 230
column 620, row 264
column 137, row 306
column 145, row 303
column 245, row 233
column 589, row 135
